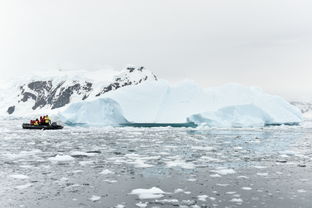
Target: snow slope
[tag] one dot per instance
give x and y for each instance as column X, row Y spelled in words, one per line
column 305, row 107
column 231, row 105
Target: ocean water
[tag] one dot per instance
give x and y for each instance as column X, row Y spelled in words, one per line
column 155, row 167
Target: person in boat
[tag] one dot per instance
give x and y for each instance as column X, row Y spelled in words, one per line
column 47, row 120
column 36, row 122
column 41, row 120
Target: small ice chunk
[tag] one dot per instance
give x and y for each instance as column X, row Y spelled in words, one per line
column 95, row 198
column 246, row 188
column 152, row 193
column 81, row 154
column 106, row 172
column 202, row 197
column 203, row 148
column 301, row 191
column 178, row 190
column 120, row 206
column 19, row 176
column 77, row 171
column 110, row 181
column 260, row 167
column 21, row 187
column 224, row 171
column 61, row 158
column 222, row 184
column 237, row 200
column 262, row 174
column 85, row 163
column 180, row 163
column 142, row 205
column 215, row 176
column 243, row 177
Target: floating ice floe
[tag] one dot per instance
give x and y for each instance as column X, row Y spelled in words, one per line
column 262, row 174
column 106, row 172
column 95, row 198
column 246, row 188
column 120, row 206
column 25, row 186
column 224, row 171
column 85, row 163
column 141, row 204
column 301, row 191
column 19, row 176
column 81, row 154
column 180, row 163
column 152, row 193
column 110, row 181
column 237, row 200
column 61, row 158
column 202, row 197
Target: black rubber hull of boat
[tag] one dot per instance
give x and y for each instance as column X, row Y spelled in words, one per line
column 40, row 127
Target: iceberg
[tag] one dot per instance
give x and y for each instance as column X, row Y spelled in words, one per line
column 231, row 105
column 239, row 116
column 99, row 112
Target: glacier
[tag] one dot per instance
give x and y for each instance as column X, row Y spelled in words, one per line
column 230, row 105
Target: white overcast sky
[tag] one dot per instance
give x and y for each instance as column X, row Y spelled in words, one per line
column 265, row 43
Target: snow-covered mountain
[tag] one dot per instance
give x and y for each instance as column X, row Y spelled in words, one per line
column 136, row 95
column 305, row 108
column 53, row 92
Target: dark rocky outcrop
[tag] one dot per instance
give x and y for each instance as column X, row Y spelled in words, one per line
column 11, row 109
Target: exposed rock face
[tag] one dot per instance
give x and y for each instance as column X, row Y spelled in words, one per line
column 44, row 93
column 131, row 76
column 56, row 93
column 11, row 109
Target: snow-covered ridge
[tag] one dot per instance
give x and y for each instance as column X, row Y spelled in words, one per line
column 49, row 92
column 305, row 108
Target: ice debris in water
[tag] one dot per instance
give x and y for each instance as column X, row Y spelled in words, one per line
column 152, row 193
